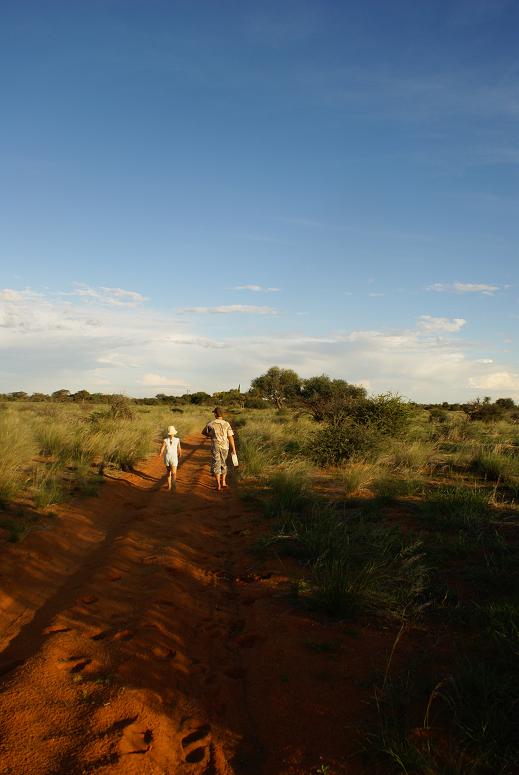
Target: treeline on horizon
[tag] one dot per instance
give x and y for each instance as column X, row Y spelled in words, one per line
column 282, row 387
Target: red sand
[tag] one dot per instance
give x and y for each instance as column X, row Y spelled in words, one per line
column 139, row 634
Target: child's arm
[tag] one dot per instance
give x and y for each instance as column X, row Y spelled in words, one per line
column 179, row 449
column 230, row 436
column 162, row 448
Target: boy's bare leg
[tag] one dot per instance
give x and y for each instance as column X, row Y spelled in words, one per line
column 224, row 478
column 169, row 478
column 175, row 479
column 218, row 481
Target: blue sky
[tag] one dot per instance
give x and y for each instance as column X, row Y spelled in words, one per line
column 194, row 191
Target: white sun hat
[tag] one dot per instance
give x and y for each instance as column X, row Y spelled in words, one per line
column 172, row 430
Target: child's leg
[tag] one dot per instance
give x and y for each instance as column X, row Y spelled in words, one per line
column 174, row 474
column 169, row 477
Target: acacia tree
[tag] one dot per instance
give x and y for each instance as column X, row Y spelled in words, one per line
column 277, row 385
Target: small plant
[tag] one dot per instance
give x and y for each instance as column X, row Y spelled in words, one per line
column 357, row 476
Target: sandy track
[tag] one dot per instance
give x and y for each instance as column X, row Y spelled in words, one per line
column 141, row 635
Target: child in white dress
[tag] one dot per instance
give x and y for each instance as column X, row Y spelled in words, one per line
column 171, row 446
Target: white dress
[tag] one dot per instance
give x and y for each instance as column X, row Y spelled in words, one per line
column 171, row 456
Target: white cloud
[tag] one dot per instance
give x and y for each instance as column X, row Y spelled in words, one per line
column 497, row 380
column 156, row 380
column 484, row 288
column 230, row 309
column 116, row 297
column 431, row 324
column 255, row 288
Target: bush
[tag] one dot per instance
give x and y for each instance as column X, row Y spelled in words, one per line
column 330, row 400
column 121, row 408
column 256, row 403
column 336, row 443
column 386, row 413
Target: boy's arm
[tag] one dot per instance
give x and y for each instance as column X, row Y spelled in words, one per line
column 162, row 448
column 230, row 436
column 179, row 450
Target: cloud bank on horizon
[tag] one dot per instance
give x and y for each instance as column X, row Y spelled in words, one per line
column 64, row 339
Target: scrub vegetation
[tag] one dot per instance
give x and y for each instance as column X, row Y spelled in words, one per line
column 395, row 516
column 404, row 516
column 56, row 450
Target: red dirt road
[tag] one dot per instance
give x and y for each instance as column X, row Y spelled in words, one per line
column 140, row 635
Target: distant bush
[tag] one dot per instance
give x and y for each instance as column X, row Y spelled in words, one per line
column 256, row 403
column 484, row 410
column 336, row 443
column 121, row 408
column 439, row 415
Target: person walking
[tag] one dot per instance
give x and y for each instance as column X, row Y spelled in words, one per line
column 221, row 435
column 171, row 446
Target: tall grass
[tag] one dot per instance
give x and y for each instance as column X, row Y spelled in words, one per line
column 51, row 451
column 17, row 446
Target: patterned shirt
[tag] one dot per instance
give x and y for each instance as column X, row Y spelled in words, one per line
column 219, row 431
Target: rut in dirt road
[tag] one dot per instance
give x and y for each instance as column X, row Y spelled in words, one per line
column 168, row 648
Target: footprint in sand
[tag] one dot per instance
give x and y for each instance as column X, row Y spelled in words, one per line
column 123, row 635
column 196, row 745
column 101, row 635
column 55, row 629
column 114, row 575
column 136, row 739
column 87, row 599
column 74, row 664
column 162, row 652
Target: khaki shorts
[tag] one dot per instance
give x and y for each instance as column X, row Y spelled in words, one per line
column 219, row 459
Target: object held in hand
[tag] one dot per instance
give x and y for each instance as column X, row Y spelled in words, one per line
column 234, row 458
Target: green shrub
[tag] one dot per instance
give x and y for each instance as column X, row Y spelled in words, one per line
column 336, row 443
column 386, row 413
column 256, row 403
column 121, row 408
